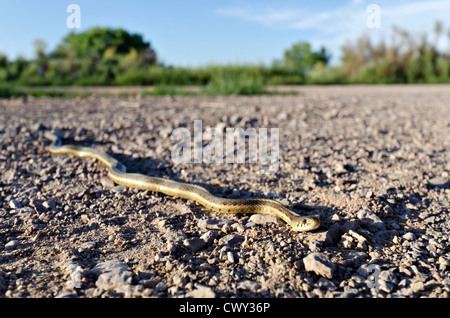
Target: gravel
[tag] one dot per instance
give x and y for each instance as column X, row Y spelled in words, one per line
column 320, row 264
column 371, row 161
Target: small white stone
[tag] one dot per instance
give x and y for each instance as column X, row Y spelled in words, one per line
column 263, row 219
column 201, row 292
column 249, row 285
column 417, row 286
column 14, row 204
column 230, row 257
column 409, row 236
column 11, row 245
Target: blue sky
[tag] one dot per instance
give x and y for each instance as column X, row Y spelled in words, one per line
column 193, row 33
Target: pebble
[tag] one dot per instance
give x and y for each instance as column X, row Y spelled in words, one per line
column 354, row 240
column 320, row 264
column 112, row 275
column 326, row 284
column 263, row 219
column 118, row 189
column 315, row 245
column 438, row 182
column 107, row 183
column 209, row 237
column 49, row 204
column 66, row 294
column 87, row 246
column 335, row 217
column 14, row 204
column 250, row 285
column 74, row 274
column 333, row 235
column 12, row 245
column 213, row 224
column 235, row 119
column 409, row 236
column 38, row 207
column 230, row 257
column 387, row 280
column 370, row 219
column 417, row 287
column 201, row 291
column 194, row 244
column 231, row 239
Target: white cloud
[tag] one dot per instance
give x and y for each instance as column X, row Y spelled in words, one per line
column 268, row 16
column 333, row 27
column 350, row 14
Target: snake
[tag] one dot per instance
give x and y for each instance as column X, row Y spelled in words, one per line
column 117, row 173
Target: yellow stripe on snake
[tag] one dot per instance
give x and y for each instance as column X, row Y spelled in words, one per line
column 117, row 172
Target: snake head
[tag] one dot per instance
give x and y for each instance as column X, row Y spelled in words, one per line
column 305, row 223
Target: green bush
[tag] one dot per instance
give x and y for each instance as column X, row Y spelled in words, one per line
column 6, row 91
column 168, row 90
column 443, row 69
column 321, row 75
column 233, row 80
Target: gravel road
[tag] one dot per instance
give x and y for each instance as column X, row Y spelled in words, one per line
column 373, row 162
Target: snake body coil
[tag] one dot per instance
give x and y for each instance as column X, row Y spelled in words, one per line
column 117, row 172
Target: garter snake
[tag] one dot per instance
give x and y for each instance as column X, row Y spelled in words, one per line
column 117, row 172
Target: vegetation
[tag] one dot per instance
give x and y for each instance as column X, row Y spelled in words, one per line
column 105, row 56
column 409, row 59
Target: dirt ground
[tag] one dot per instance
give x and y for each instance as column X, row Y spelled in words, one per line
column 373, row 162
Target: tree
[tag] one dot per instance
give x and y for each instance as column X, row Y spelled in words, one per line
column 96, row 41
column 301, row 59
column 98, row 55
column 3, row 60
column 16, row 68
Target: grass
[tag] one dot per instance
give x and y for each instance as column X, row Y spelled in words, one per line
column 168, row 90
column 235, row 86
column 10, row 91
column 228, row 86
column 214, row 80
